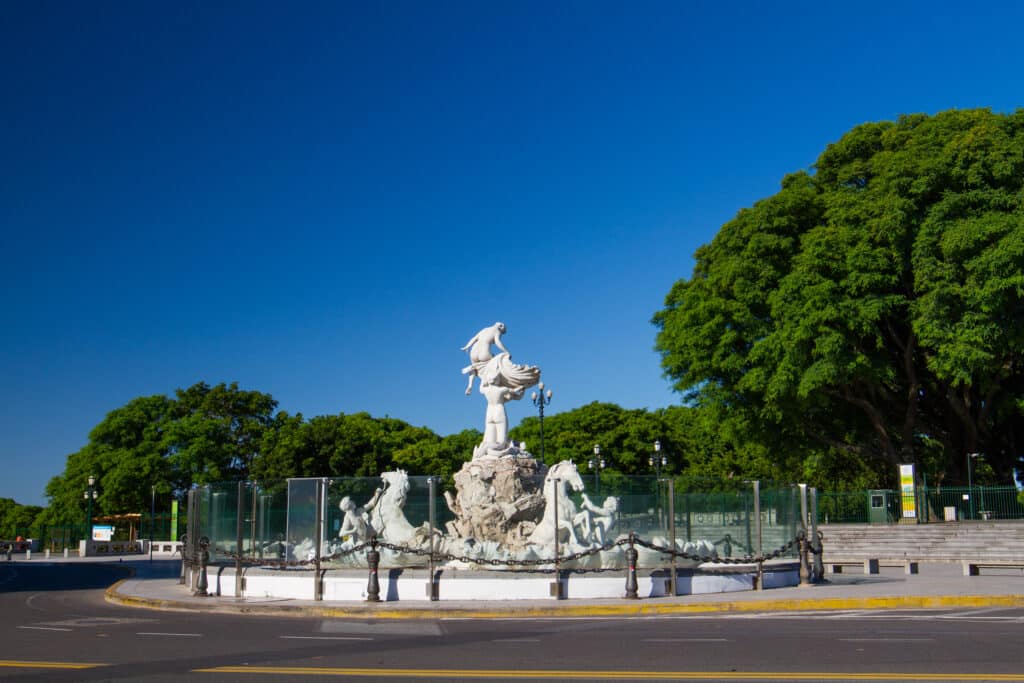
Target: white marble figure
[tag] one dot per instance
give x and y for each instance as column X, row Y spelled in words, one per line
column 595, row 523
column 387, row 518
column 355, row 523
column 501, row 381
column 479, row 348
column 560, row 476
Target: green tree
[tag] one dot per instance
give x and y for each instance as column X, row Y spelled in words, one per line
column 871, row 309
column 16, row 518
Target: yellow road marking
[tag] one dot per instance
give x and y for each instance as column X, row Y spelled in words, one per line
column 610, row 675
column 12, row 663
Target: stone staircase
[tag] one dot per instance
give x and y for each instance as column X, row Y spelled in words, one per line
column 940, row 542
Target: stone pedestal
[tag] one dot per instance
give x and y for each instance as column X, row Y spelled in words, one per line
column 498, row 499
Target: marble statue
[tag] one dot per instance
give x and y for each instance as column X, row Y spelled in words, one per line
column 355, row 522
column 501, row 381
column 479, row 348
column 595, row 523
column 559, row 477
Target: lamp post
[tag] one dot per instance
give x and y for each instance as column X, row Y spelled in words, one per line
column 152, row 518
column 657, row 460
column 970, row 484
column 596, row 464
column 540, row 400
column 90, row 496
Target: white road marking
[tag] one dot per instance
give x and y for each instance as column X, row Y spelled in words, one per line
column 324, row 638
column 886, row 640
column 178, row 635
column 44, row 628
column 686, row 640
column 516, row 640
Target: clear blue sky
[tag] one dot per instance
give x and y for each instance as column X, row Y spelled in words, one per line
column 325, row 201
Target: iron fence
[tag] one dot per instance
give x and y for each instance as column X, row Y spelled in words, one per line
column 931, row 504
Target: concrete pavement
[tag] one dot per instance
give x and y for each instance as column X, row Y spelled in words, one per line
column 154, row 585
column 938, row 585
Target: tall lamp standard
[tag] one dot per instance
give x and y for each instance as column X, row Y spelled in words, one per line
column 90, row 496
column 596, row 464
column 152, row 518
column 657, row 460
column 540, row 400
column 970, row 484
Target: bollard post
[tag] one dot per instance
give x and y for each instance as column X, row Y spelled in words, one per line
column 204, row 559
column 631, row 555
column 9, row 551
column 373, row 560
column 28, row 553
column 801, row 536
column 184, row 555
column 727, row 545
column 432, row 587
column 65, row 553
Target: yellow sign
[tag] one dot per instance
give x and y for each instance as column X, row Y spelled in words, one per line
column 907, row 491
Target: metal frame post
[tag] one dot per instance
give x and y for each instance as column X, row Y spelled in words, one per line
column 558, row 573
column 239, row 532
column 318, row 586
column 432, row 587
column 672, row 532
column 757, row 534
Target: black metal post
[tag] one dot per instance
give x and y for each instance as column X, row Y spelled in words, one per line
column 805, row 569
column 558, row 573
column 184, row 558
column 321, row 521
column 631, row 556
column 239, row 534
column 672, row 531
column 373, row 560
column 541, row 399
column 204, row 560
column 152, row 518
column 432, row 514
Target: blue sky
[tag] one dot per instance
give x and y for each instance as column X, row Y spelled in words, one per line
column 324, row 201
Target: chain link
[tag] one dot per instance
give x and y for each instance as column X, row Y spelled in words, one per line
column 498, row 562
column 749, row 559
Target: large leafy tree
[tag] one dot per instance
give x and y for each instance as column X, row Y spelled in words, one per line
column 164, row 444
column 870, row 312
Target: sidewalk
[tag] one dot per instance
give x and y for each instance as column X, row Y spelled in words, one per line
column 936, row 586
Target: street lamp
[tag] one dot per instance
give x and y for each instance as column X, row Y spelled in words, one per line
column 596, row 464
column 90, row 496
column 152, row 518
column 540, row 400
column 970, row 485
column 657, row 460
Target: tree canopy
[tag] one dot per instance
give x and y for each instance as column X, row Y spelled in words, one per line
column 870, row 312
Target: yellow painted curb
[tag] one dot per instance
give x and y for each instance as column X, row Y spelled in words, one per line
column 637, row 608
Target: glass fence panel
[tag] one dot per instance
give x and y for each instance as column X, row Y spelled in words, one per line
column 282, row 520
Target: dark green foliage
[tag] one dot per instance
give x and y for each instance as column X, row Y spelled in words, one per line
column 869, row 314
column 15, row 518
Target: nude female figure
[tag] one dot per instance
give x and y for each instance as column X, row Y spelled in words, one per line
column 479, row 348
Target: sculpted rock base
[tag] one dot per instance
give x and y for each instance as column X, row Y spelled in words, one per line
column 498, row 500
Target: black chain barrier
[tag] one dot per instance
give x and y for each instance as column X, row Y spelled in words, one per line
column 287, row 564
column 499, row 562
column 749, row 559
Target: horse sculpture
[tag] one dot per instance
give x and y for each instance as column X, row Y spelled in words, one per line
column 559, row 477
column 385, row 508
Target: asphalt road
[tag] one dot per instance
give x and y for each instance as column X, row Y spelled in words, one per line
column 55, row 619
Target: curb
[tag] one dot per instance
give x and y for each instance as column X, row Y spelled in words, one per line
column 630, row 609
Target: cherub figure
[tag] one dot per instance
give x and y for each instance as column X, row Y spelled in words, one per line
column 479, row 348
column 596, row 522
column 354, row 523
